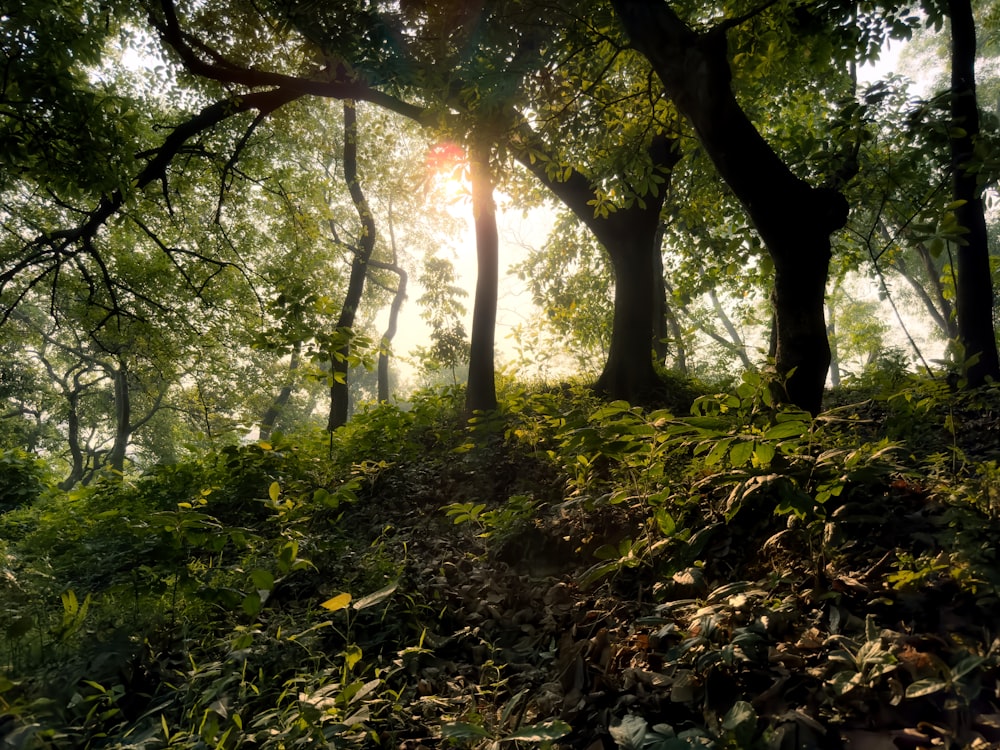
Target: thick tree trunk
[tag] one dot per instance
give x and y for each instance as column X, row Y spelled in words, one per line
column 340, row 359
column 123, row 418
column 628, row 373
column 630, row 237
column 974, row 295
column 481, row 394
column 794, row 219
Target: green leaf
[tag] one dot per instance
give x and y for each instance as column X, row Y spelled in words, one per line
column 785, row 430
column 251, row 604
column 274, row 492
column 665, row 522
column 740, row 453
column 262, row 579
column 763, row 454
column 458, row 730
column 741, row 721
column 929, row 686
column 545, row 732
column 718, row 451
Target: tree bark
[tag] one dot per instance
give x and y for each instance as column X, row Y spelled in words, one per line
column 481, row 394
column 794, row 219
column 831, row 329
column 390, row 331
column 76, row 467
column 340, row 359
column 737, row 344
column 270, row 417
column 630, row 237
column 123, row 418
column 397, row 303
column 661, row 331
column 974, row 293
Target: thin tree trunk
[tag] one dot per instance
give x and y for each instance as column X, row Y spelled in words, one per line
column 793, row 219
column 944, row 304
column 831, row 330
column 734, row 336
column 270, row 417
column 481, row 394
column 677, row 336
column 399, row 296
column 76, row 468
column 974, row 293
column 660, row 325
column 340, row 359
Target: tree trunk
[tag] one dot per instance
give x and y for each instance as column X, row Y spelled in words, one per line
column 630, row 237
column 123, row 418
column 340, row 359
column 481, row 394
column 661, row 332
column 76, row 468
column 390, row 331
column 399, row 296
column 677, row 336
column 628, row 372
column 793, row 219
column 270, row 417
column 737, row 344
column 831, row 330
column 974, row 293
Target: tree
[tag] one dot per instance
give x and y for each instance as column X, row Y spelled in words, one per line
column 344, row 332
column 481, row 394
column 974, row 293
column 794, row 219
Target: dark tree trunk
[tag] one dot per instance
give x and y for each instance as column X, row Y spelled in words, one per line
column 481, row 394
column 340, row 360
column 631, row 238
column 270, row 417
column 974, row 293
column 123, row 418
column 76, row 468
column 794, row 219
column 629, row 373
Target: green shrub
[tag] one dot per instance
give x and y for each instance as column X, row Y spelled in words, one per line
column 22, row 479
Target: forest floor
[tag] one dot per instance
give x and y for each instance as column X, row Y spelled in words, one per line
column 570, row 575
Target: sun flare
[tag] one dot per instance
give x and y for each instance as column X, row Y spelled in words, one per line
column 447, row 172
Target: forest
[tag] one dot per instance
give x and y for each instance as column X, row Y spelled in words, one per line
column 598, row 374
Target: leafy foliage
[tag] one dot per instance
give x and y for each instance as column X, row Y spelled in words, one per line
column 561, row 569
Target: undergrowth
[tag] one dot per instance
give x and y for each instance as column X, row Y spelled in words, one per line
column 562, row 572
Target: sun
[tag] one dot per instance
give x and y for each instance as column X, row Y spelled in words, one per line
column 447, row 172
